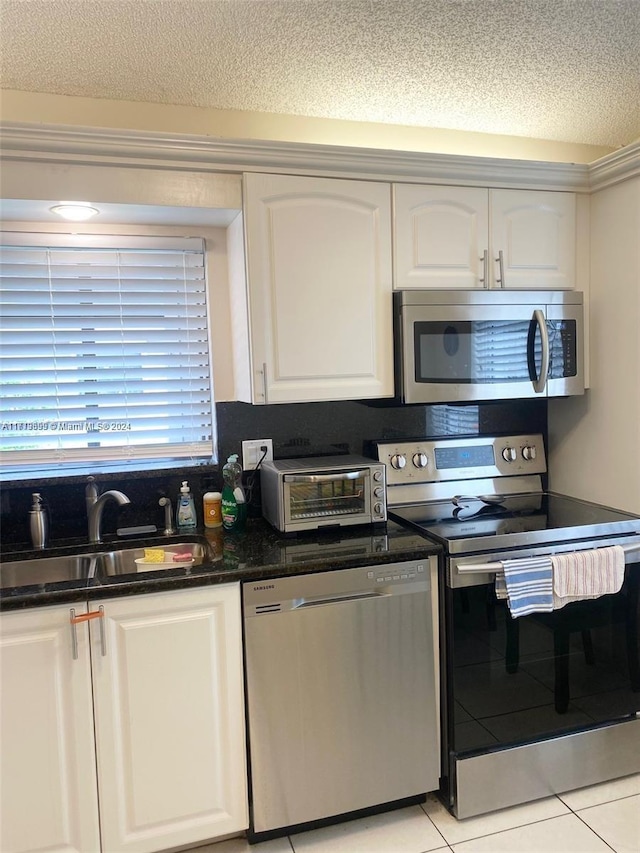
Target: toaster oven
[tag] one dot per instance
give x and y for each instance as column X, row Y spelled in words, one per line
column 325, row 491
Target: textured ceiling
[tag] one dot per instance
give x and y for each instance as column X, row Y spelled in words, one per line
column 565, row 70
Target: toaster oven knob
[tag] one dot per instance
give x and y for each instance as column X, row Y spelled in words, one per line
column 420, row 460
column 509, row 454
column 377, row 476
column 378, row 492
column 529, row 453
column 378, row 509
column 398, row 461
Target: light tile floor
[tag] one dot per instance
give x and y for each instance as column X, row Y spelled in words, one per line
column 599, row 819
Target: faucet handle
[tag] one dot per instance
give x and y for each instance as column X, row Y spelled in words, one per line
column 91, row 492
column 168, row 516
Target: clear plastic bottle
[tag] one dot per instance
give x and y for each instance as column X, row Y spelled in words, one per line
column 234, row 506
column 186, row 512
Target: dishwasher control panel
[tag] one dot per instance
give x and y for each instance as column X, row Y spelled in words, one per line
column 277, row 595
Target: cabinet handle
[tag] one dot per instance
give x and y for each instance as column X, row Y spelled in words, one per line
column 85, row 617
column 500, row 262
column 73, row 621
column 484, row 281
column 264, row 380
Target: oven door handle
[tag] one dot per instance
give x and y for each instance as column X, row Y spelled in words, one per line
column 324, row 478
column 538, row 382
column 631, row 555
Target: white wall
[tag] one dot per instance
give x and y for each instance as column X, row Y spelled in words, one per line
column 595, row 440
column 45, row 109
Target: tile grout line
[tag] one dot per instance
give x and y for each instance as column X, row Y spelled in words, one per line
column 595, row 805
column 606, row 802
column 519, row 826
column 422, row 806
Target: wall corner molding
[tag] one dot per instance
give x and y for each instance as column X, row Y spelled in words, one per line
column 615, row 167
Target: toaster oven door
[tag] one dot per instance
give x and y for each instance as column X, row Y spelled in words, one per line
column 327, row 499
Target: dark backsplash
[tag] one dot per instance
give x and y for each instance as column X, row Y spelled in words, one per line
column 297, row 429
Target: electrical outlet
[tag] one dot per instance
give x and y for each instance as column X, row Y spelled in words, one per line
column 252, row 454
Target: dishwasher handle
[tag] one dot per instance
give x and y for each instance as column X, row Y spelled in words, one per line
column 337, row 599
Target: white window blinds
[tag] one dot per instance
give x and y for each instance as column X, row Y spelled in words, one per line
column 104, row 350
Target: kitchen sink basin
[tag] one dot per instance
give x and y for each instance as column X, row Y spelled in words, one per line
column 118, row 561
column 123, row 561
column 48, row 570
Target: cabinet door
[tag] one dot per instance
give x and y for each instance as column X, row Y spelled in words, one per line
column 47, row 765
column 319, row 270
column 169, row 713
column 440, row 236
column 536, row 234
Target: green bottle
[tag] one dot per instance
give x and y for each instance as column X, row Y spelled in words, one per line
column 234, row 506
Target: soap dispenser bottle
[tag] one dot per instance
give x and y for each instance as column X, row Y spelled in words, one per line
column 38, row 522
column 186, row 512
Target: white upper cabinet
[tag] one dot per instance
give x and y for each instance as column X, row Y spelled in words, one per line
column 468, row 237
column 440, row 235
column 320, row 280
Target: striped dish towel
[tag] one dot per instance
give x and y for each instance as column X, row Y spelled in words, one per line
column 527, row 584
column 583, row 575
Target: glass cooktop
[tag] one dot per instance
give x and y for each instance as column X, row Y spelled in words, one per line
column 518, row 520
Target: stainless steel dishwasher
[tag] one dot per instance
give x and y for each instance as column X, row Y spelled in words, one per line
column 341, row 691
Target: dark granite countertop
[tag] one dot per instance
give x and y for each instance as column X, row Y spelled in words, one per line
column 259, row 552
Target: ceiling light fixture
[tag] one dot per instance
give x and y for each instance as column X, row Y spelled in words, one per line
column 75, row 211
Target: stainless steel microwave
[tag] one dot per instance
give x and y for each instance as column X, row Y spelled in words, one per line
column 464, row 345
column 323, row 491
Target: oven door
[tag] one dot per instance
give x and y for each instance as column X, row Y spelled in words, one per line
column 494, row 352
column 526, row 683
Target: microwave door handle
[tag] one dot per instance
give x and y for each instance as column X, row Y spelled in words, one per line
column 539, row 382
column 323, row 478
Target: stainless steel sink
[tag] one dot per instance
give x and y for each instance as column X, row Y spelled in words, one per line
column 123, row 561
column 118, row 561
column 48, row 570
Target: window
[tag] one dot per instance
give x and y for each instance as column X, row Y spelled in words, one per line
column 104, row 351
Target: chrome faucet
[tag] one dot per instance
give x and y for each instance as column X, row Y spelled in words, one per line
column 95, row 507
column 168, row 516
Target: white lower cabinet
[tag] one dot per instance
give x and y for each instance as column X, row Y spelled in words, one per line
column 166, row 672
column 48, row 796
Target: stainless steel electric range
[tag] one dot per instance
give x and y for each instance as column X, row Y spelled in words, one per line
column 533, row 704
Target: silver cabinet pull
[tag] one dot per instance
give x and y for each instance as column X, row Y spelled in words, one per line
column 484, row 281
column 85, row 617
column 500, row 262
column 74, row 633
column 264, row 381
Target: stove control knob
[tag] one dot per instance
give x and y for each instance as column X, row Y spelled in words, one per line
column 420, row 460
column 378, row 492
column 529, row 453
column 398, row 461
column 509, row 454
